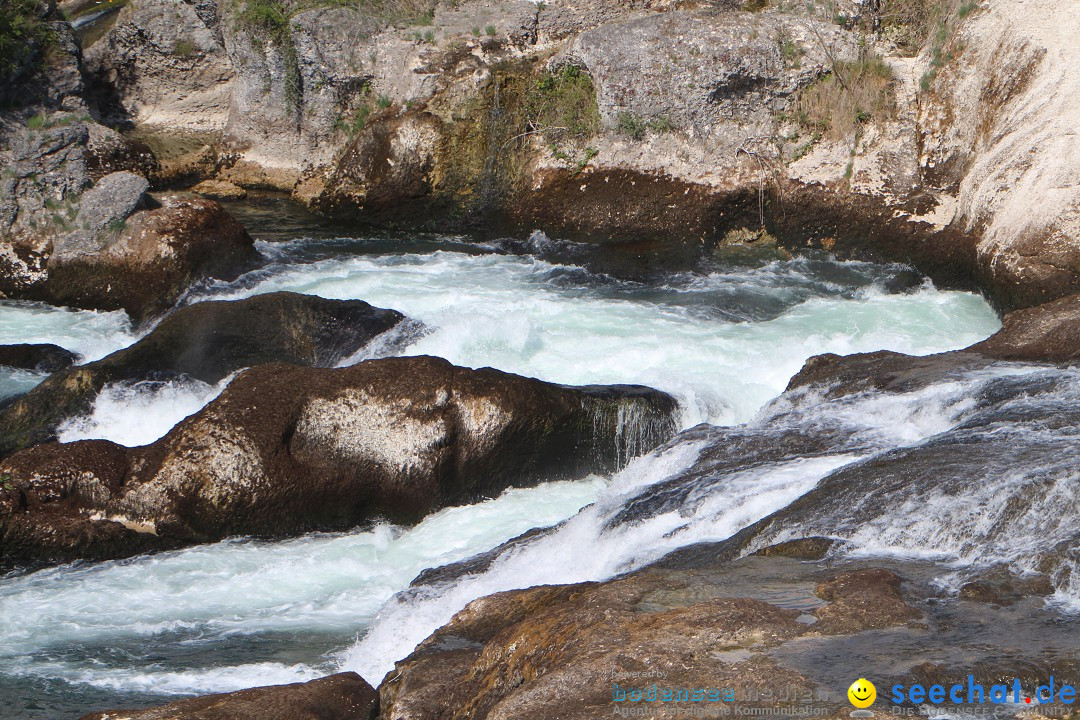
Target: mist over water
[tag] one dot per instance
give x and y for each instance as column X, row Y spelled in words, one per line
column 723, row 338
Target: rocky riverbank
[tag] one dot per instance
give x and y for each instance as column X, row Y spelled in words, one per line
column 944, row 139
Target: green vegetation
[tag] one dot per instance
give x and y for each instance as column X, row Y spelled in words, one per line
column 44, row 121
column 22, row 36
column 911, row 24
column 490, row 30
column 116, row 226
column 562, row 104
column 383, row 101
column 489, row 148
column 841, row 102
column 352, row 125
column 631, row 126
column 185, row 48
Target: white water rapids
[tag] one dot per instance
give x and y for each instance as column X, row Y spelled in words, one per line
column 724, row 341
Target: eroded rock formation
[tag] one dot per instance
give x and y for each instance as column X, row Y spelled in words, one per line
column 286, row 449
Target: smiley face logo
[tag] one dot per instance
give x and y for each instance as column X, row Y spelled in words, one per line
column 862, row 693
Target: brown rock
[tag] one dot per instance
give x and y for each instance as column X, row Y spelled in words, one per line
column 286, row 449
column 344, row 695
column 1046, row 333
column 219, row 190
column 1001, row 587
column 42, row 357
column 814, row 548
column 862, row 600
column 143, row 264
column 553, row 651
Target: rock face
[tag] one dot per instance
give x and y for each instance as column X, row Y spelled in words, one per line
column 560, row 651
column 286, row 449
column 40, row 357
column 76, row 224
column 708, row 114
column 170, row 56
column 205, row 341
column 344, row 695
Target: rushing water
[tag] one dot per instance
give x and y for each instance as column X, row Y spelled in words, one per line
column 723, row 335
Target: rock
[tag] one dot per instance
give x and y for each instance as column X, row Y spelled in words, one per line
column 39, row 357
column 205, row 341
column 1000, row 586
column 162, row 64
column 560, row 651
column 862, row 600
column 995, row 131
column 219, row 190
column 112, row 199
column 729, row 95
column 66, row 239
column 814, row 548
column 344, row 695
column 108, row 151
column 144, row 263
column 287, row 449
column 839, row 375
column 1046, row 333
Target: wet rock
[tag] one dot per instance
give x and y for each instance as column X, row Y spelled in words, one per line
column 559, row 651
column 862, row 600
column 905, row 281
column 344, row 695
column 39, row 357
column 143, row 263
column 885, row 370
column 551, row 651
column 205, row 341
column 219, row 190
column 1046, row 333
column 999, row 586
column 286, row 449
column 814, row 548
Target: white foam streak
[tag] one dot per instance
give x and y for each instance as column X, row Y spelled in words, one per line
column 139, row 413
column 91, row 334
column 189, row 682
column 581, row 549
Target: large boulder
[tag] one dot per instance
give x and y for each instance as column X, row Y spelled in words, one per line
column 567, row 651
column 344, row 695
column 40, row 357
column 205, row 341
column 144, row 262
column 286, row 449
